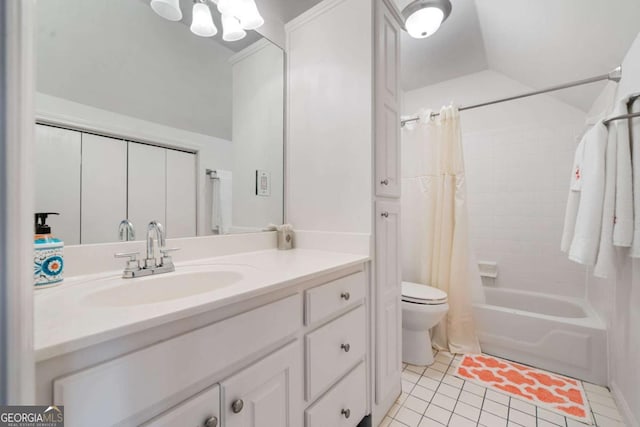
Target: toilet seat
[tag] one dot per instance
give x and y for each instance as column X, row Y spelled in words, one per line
column 422, row 294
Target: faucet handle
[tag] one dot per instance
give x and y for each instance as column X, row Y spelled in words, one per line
column 166, row 251
column 132, row 263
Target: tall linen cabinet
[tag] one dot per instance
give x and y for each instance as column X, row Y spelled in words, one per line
column 343, row 156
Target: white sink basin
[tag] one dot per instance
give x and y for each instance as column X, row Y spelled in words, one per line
column 163, row 287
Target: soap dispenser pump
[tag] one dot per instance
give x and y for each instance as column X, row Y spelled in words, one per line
column 48, row 257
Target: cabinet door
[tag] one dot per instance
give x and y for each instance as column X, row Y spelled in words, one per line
column 57, row 161
column 387, row 103
column 388, row 299
column 266, row 394
column 181, row 194
column 147, row 186
column 104, row 188
column 202, row 410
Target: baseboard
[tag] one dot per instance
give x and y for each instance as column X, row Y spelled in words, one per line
column 630, row 419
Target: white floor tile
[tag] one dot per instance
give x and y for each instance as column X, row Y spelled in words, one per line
column 437, row 413
column 428, row 422
column 407, row 386
column 412, row 377
column 495, row 408
column 417, row 369
column 603, row 421
column 444, row 401
column 453, row 381
column 432, row 373
column 474, row 388
column 552, row 417
column 408, row 417
column 592, row 388
column 544, row 423
column 439, row 366
column 415, row 404
column 394, row 410
column 422, row 393
column 521, row 418
column 525, row 407
column 601, row 399
column 386, row 421
column 467, row 411
column 449, row 390
column 607, row 411
column 403, row 396
column 471, row 399
column 458, row 421
column 429, row 383
column 497, row 397
column 395, row 423
column 489, row 420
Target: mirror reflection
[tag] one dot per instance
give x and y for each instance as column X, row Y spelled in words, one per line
column 141, row 118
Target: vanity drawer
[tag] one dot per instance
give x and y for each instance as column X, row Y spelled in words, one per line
column 122, row 388
column 333, row 350
column 322, row 301
column 202, row 410
column 347, row 398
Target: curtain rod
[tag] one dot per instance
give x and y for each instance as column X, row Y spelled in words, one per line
column 615, row 75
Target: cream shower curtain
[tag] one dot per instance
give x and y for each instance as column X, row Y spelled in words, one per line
column 435, row 225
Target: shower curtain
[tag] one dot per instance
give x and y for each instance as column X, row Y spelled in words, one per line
column 435, row 224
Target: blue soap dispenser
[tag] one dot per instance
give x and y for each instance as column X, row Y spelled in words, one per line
column 48, row 262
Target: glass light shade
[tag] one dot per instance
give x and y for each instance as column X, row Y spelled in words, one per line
column 168, row 9
column 424, row 22
column 250, row 18
column 229, row 7
column 202, row 24
column 231, row 29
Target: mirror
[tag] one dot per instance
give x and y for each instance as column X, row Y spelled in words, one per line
column 139, row 119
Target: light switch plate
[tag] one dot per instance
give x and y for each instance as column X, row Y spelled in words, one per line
column 263, row 183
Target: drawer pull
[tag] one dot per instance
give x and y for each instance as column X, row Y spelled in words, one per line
column 345, row 296
column 211, row 422
column 384, row 182
column 237, row 406
column 385, row 214
column 346, row 413
column 346, row 348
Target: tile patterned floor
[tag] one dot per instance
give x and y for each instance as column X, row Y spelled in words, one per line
column 434, row 397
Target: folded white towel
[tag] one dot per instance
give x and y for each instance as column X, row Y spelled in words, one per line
column 588, row 222
column 623, row 227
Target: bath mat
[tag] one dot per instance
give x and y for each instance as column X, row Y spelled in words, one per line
column 562, row 395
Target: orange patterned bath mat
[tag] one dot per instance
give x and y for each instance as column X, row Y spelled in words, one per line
column 554, row 392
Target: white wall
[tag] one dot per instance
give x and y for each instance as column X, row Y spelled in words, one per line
column 213, row 153
column 118, row 55
column 258, row 133
column 329, row 136
column 619, row 297
column 518, row 158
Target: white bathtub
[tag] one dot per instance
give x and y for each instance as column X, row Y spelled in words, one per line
column 559, row 334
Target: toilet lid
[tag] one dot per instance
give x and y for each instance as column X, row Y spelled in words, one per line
column 422, row 294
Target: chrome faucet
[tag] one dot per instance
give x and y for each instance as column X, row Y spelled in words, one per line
column 126, row 232
column 150, row 265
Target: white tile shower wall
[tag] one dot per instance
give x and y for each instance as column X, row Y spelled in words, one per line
column 518, row 159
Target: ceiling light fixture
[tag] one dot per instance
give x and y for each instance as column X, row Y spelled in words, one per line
column 422, row 18
column 237, row 16
column 168, row 9
column 202, row 23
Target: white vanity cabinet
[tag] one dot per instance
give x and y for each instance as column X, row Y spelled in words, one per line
column 258, row 365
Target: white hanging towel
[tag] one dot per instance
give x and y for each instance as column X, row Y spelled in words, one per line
column 221, row 207
column 573, row 201
column 623, row 222
column 634, row 137
column 606, row 254
column 591, row 182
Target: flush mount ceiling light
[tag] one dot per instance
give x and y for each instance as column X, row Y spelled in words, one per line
column 422, row 18
column 237, row 16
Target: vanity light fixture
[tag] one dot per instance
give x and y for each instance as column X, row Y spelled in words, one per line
column 202, row 23
column 237, row 16
column 168, row 9
column 422, row 18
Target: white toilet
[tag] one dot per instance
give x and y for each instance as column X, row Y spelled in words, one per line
column 422, row 308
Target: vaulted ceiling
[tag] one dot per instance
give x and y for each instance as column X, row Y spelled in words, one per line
column 537, row 42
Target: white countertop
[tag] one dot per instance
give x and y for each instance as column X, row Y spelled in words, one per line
column 66, row 320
